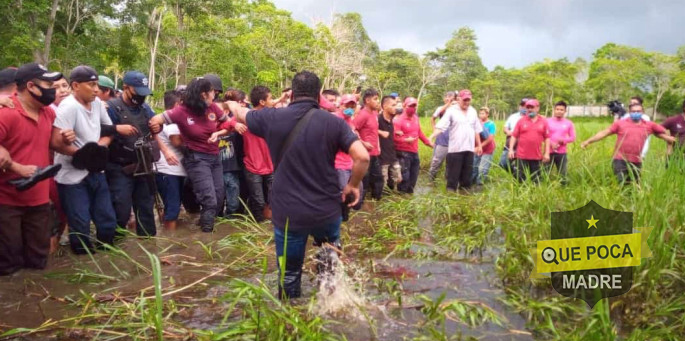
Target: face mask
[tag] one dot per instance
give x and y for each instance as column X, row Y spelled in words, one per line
column 47, row 95
column 532, row 114
column 636, row 116
column 137, row 99
column 398, row 111
column 411, row 111
column 348, row 111
column 522, row 111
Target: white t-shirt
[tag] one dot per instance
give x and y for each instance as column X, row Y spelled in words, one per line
column 512, row 120
column 86, row 125
column 645, row 148
column 162, row 165
column 462, row 126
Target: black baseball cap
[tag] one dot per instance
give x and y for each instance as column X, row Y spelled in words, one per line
column 7, row 76
column 216, row 82
column 82, row 74
column 138, row 81
column 31, row 71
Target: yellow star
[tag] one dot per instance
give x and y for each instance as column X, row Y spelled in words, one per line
column 592, row 222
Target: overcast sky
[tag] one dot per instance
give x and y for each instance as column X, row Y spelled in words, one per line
column 511, row 33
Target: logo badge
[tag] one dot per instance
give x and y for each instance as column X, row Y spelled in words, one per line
column 211, row 116
column 592, row 253
column 190, row 121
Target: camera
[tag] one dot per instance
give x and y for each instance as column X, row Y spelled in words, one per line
column 616, row 108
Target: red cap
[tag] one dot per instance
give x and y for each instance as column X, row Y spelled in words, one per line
column 409, row 101
column 465, row 94
column 532, row 103
column 348, row 98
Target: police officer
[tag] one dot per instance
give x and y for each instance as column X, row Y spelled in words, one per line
column 128, row 187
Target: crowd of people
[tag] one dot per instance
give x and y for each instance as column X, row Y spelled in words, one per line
column 76, row 150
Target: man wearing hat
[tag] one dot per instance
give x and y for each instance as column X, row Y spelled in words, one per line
column 217, row 86
column 509, row 126
column 128, row 190
column 83, row 188
column 407, row 144
column 531, row 139
column 7, row 84
column 106, row 88
column 464, row 128
column 343, row 161
column 25, row 135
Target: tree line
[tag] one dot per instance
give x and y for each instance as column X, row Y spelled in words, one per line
column 253, row 42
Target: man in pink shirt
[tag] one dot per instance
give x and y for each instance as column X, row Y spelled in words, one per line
column 407, row 133
column 631, row 137
column 343, row 161
column 366, row 124
column 561, row 133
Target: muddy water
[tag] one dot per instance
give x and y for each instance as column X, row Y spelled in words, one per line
column 29, row 298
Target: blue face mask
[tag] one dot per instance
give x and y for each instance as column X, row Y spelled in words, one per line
column 348, row 111
column 636, row 116
column 532, row 114
column 522, row 111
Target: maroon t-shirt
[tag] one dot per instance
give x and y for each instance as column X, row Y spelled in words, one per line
column 529, row 136
column 28, row 143
column 631, row 138
column 676, row 126
column 196, row 129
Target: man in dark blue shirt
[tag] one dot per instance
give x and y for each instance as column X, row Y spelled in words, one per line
column 128, row 190
column 306, row 198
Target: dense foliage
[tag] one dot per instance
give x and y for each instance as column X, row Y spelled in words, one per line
column 249, row 42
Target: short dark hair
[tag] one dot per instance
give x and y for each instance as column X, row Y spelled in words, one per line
column 107, row 90
column 193, row 97
column 385, row 99
column 561, row 103
column 171, row 97
column 331, row 92
column 233, row 94
column 306, row 84
column 368, row 93
column 630, row 107
column 637, row 98
column 259, row 93
column 286, row 90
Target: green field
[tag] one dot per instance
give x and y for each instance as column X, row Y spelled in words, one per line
column 221, row 287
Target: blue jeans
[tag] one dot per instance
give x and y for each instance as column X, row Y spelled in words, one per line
column 232, row 186
column 128, row 191
column 410, row 171
column 207, row 175
column 481, row 167
column 170, row 188
column 295, row 252
column 86, row 201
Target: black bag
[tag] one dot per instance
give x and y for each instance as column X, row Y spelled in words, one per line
column 92, row 157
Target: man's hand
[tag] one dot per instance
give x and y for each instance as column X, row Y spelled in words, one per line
column 240, row 128
column 349, row 189
column 410, row 139
column 399, row 133
column 545, row 158
column 5, row 159
column 367, row 145
column 128, row 130
column 215, row 137
column 6, row 102
column 24, row 171
column 584, row 144
column 479, row 150
column 512, row 155
column 555, row 145
column 384, row 134
column 171, row 158
column 154, row 128
column 68, row 136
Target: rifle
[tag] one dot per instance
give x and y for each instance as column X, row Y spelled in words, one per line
column 146, row 167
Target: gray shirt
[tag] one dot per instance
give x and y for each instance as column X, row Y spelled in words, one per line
column 86, row 125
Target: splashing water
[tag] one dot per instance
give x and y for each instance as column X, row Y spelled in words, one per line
column 338, row 296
